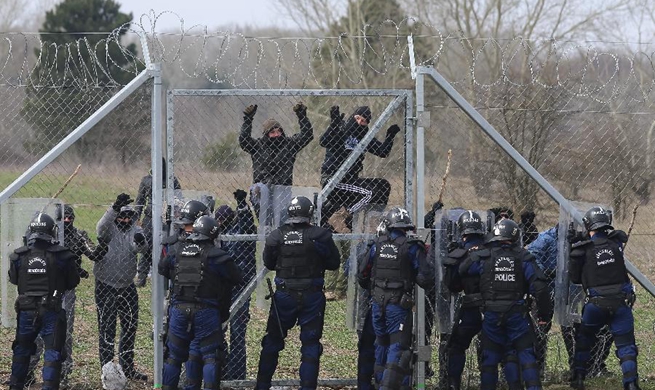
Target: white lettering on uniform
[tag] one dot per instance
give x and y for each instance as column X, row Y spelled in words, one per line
column 36, row 271
column 505, row 277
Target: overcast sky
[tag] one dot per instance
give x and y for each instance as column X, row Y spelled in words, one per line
column 212, row 13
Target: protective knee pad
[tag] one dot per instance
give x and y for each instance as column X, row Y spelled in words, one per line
column 395, row 373
column 622, row 340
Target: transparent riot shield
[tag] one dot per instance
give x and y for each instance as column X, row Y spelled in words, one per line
column 569, row 297
column 365, row 223
column 15, row 217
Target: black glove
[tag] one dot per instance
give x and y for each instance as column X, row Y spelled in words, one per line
column 573, row 236
column 437, row 206
column 249, row 112
column 393, row 130
column 139, row 238
column 121, row 200
column 335, row 117
column 300, row 109
column 452, row 246
column 84, row 274
column 141, row 280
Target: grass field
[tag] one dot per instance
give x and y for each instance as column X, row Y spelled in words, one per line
column 93, row 193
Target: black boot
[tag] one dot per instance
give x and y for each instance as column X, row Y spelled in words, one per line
column 454, row 383
column 632, row 386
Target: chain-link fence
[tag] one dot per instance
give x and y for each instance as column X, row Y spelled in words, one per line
column 582, row 118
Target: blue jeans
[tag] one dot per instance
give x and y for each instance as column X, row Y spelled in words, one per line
column 201, row 328
column 621, row 323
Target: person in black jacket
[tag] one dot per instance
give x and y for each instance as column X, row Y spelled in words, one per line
column 299, row 253
column 143, row 207
column 273, row 157
column 339, row 141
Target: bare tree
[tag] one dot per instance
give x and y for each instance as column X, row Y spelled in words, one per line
column 23, row 15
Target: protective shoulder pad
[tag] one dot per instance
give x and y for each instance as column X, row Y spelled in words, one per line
column 618, row 235
column 581, row 244
column 169, row 240
column 580, row 248
column 60, row 251
column 217, row 253
column 458, row 253
column 455, row 256
column 21, row 250
column 481, row 254
column 413, row 239
column 321, row 233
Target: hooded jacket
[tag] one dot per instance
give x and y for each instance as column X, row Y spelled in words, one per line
column 273, row 158
column 339, row 141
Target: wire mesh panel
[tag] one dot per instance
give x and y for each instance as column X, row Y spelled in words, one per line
column 223, row 144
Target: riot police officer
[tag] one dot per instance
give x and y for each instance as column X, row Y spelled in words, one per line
column 199, row 272
column 190, row 212
column 299, row 253
column 391, row 269
column 43, row 272
column 598, row 264
column 468, row 322
column 508, row 274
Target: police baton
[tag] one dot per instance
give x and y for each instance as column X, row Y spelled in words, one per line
column 274, row 305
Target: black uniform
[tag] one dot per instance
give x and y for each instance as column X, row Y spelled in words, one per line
column 43, row 271
column 598, row 264
column 299, row 253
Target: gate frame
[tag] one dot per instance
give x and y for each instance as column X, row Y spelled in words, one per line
column 399, row 96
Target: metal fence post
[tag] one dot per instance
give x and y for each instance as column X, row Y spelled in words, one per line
column 157, row 199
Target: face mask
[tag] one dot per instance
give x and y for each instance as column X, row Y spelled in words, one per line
column 123, row 226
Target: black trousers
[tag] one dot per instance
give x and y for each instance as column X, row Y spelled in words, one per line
column 112, row 304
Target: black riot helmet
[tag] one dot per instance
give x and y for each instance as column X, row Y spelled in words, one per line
column 204, row 228
column 505, row 230
column 68, row 212
column 597, row 218
column 398, row 218
column 191, row 211
column 300, row 210
column 469, row 222
column 42, row 227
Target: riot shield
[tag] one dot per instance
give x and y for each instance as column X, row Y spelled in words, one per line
column 365, row 223
column 15, row 217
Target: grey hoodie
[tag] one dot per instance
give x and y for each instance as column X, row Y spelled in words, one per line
column 118, row 268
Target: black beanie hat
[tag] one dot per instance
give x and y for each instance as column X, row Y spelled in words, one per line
column 364, row 111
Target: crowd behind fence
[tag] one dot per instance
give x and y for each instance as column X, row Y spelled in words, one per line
column 590, row 137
